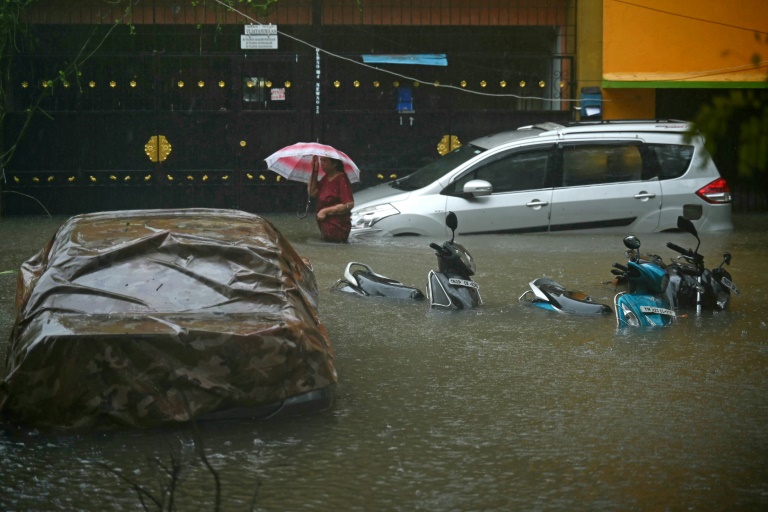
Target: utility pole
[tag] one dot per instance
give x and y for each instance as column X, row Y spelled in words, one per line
column 317, row 32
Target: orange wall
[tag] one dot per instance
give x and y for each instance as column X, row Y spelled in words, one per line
column 629, row 103
column 684, row 41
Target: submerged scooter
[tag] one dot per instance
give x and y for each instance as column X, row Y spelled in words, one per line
column 552, row 296
column 452, row 285
column 693, row 285
column 645, row 302
column 360, row 279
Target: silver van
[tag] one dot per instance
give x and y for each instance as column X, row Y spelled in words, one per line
column 618, row 176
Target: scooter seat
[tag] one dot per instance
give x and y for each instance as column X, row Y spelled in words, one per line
column 577, row 295
column 381, row 286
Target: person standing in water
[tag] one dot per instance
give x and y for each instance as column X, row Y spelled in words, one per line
column 334, row 198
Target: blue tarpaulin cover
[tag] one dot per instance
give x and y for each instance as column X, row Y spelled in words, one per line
column 419, row 59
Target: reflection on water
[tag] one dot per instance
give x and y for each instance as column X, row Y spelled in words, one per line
column 503, row 408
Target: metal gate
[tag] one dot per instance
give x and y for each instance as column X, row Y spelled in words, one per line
column 184, row 129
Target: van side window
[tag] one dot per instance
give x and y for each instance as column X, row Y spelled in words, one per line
column 522, row 170
column 673, row 159
column 598, row 164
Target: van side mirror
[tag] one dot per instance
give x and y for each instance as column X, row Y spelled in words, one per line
column 477, row 188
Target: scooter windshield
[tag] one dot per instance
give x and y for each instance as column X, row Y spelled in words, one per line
column 464, row 257
column 647, row 278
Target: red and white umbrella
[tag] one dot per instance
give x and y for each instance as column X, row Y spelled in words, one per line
column 294, row 162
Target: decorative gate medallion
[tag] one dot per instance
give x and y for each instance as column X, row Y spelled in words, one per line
column 158, row 148
column 447, row 144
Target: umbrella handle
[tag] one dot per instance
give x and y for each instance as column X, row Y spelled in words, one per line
column 306, row 210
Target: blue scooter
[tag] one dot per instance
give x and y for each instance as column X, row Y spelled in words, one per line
column 645, row 302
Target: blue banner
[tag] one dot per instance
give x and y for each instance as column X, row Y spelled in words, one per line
column 418, row 59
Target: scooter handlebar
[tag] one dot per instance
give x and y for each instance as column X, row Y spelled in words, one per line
column 436, row 247
column 690, row 255
column 620, row 267
column 681, row 250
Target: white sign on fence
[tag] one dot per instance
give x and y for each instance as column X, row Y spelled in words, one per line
column 261, row 30
column 259, row 37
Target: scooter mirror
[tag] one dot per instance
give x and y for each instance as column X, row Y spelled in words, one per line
column 727, row 258
column 451, row 221
column 686, row 225
column 632, row 242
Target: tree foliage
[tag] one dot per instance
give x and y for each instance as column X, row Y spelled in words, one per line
column 736, row 128
column 15, row 37
column 13, row 30
column 735, row 125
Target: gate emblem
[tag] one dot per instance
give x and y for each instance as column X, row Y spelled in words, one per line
column 447, row 144
column 158, row 148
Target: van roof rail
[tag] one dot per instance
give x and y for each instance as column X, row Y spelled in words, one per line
column 625, row 121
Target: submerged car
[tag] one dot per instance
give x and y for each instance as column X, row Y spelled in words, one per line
column 150, row 317
column 620, row 176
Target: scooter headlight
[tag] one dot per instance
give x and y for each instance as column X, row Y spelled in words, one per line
column 629, row 317
column 664, row 283
column 366, row 217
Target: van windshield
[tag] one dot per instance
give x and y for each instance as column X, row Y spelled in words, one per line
column 437, row 169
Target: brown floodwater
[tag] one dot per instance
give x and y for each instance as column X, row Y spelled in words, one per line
column 503, row 408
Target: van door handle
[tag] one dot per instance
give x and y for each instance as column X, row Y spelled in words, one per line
column 536, row 203
column 645, row 195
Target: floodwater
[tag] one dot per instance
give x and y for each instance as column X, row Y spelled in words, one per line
column 503, row 408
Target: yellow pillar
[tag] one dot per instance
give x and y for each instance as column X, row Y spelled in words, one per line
column 618, row 103
column 589, row 44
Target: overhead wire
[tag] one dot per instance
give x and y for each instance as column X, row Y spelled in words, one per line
column 694, row 74
column 706, row 73
column 394, row 73
column 691, row 17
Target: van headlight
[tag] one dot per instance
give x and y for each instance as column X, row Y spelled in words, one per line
column 367, row 217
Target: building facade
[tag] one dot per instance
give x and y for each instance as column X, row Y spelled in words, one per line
column 179, row 102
